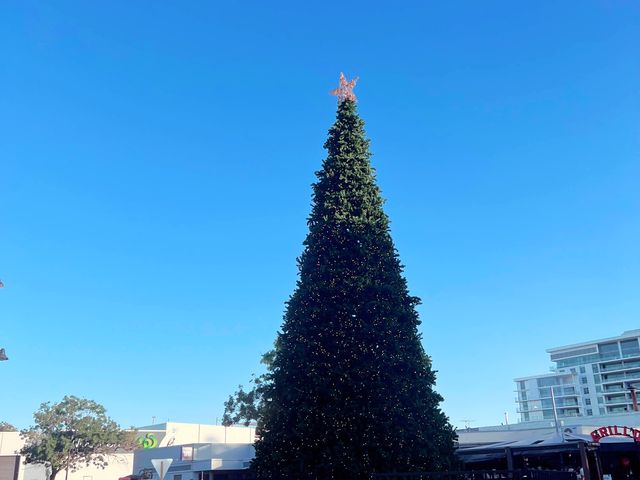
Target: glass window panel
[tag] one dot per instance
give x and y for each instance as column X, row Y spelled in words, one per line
column 630, row 347
column 606, row 348
column 547, row 381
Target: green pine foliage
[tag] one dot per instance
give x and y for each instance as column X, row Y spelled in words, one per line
column 351, row 390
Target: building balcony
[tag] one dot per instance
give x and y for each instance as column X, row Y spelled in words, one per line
column 618, row 403
column 611, row 367
column 560, row 396
column 613, row 389
column 569, row 414
column 609, row 357
column 564, row 390
column 618, row 377
column 620, row 409
column 616, row 367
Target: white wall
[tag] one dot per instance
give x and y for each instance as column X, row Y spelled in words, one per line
column 120, row 465
column 185, row 433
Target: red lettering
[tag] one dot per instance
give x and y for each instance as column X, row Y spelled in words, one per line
column 615, row 430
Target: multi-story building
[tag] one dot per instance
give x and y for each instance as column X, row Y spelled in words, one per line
column 589, row 379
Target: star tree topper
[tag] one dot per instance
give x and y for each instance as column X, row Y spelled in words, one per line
column 345, row 90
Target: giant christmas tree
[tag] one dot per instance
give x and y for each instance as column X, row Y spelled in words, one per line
column 351, row 389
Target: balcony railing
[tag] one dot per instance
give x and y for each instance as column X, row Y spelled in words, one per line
column 623, row 401
column 618, row 409
column 614, row 367
column 617, row 377
column 613, row 389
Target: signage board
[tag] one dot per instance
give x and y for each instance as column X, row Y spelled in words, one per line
column 615, row 431
column 186, row 454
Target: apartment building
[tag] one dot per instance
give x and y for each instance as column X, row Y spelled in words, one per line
column 588, row 379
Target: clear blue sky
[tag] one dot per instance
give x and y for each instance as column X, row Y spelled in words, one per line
column 155, row 169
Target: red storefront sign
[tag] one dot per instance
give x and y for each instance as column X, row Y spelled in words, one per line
column 615, row 431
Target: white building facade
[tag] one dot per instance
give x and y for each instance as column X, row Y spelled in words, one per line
column 589, row 379
column 225, row 448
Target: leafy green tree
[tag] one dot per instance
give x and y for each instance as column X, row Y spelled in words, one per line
column 7, row 427
column 72, row 433
column 246, row 406
column 351, row 390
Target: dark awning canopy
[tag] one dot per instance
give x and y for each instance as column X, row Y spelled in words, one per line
column 536, row 445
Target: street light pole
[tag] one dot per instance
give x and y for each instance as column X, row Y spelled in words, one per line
column 555, row 413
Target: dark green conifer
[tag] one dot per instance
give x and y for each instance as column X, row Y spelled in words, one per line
column 351, row 389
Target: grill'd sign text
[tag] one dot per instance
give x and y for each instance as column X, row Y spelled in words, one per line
column 615, row 431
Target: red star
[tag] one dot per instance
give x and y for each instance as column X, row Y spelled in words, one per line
column 345, row 90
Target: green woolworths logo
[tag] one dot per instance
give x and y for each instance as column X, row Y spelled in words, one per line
column 147, row 441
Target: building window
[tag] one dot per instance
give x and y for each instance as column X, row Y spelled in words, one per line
column 589, row 412
column 609, row 350
column 583, row 370
column 596, row 378
column 547, row 382
column 573, row 370
column 585, row 390
column 583, row 380
column 601, row 411
column 600, row 400
column 594, row 367
column 630, row 347
column 587, row 401
column 177, row 477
